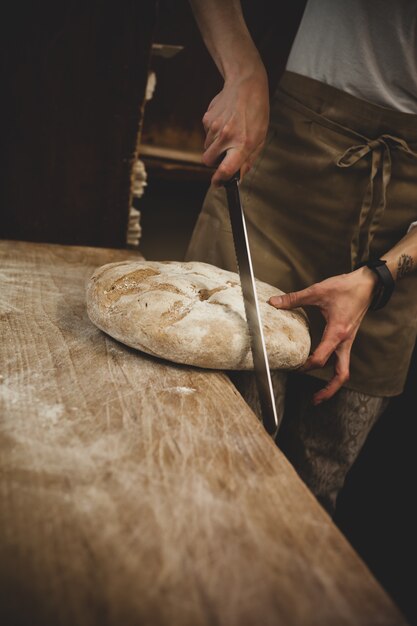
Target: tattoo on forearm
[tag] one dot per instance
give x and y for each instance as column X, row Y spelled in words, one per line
column 405, row 265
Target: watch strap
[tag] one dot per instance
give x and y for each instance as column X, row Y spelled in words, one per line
column 385, row 285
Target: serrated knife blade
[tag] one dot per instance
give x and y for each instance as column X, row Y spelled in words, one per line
column 250, row 299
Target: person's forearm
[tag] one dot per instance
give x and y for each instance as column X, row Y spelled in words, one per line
column 236, row 120
column 402, row 258
column 226, row 35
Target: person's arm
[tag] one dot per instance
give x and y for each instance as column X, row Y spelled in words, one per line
column 237, row 118
column 343, row 301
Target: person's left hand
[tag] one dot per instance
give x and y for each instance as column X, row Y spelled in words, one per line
column 343, row 301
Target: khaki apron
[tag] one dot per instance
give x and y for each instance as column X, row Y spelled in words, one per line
column 335, row 184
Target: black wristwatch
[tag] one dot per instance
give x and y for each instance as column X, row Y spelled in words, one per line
column 385, row 285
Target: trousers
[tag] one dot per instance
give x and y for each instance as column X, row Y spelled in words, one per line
column 321, row 442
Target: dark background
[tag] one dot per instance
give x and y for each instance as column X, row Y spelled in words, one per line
column 73, row 82
column 67, row 160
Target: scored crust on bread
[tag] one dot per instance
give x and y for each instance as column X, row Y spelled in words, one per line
column 192, row 313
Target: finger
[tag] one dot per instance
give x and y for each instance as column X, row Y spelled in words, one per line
column 341, row 375
column 322, row 353
column 210, row 114
column 246, row 167
column 231, row 163
column 225, row 141
column 213, row 132
column 206, row 122
column 335, row 338
column 249, row 163
column 294, row 299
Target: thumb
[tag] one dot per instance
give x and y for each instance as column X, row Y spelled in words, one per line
column 291, row 300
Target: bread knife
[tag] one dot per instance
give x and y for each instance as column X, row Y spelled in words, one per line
column 250, row 299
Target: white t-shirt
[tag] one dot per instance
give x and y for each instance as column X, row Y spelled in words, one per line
column 367, row 48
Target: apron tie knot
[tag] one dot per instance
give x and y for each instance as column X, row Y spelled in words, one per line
column 374, row 201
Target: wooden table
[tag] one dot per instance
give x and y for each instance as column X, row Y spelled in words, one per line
column 134, row 491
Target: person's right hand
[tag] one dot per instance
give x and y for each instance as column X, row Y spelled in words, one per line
column 236, row 122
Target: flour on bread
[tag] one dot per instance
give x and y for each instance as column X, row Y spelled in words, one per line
column 191, row 313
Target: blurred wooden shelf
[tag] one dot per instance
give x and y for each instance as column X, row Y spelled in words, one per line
column 170, row 163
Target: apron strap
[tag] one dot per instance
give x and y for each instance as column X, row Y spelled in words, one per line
column 374, row 200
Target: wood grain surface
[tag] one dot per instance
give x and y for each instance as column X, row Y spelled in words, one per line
column 136, row 492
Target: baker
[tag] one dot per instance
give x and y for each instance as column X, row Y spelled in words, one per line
column 330, row 193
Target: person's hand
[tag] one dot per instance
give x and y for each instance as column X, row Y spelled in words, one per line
column 343, row 301
column 236, row 122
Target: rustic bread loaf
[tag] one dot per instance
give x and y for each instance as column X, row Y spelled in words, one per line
column 191, row 313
